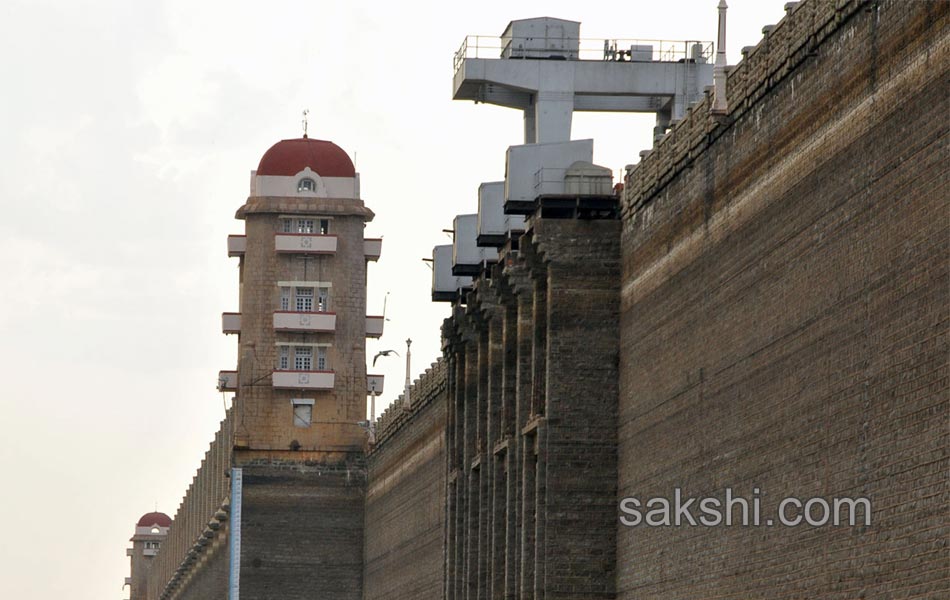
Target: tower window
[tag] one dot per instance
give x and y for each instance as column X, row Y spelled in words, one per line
column 306, row 185
column 301, row 299
column 321, row 359
column 323, row 299
column 304, row 299
column 303, row 359
column 303, row 412
column 285, row 298
column 306, row 225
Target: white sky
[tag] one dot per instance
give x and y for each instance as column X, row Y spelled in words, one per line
column 129, row 130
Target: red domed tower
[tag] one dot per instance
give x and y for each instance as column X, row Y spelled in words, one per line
column 301, row 382
column 150, row 532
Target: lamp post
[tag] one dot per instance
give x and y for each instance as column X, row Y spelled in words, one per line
column 720, row 105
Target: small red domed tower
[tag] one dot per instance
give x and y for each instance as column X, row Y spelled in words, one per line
column 150, row 532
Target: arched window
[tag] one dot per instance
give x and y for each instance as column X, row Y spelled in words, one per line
column 306, row 185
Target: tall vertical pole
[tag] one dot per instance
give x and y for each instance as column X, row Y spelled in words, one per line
column 408, row 356
column 372, row 415
column 234, row 534
column 720, row 106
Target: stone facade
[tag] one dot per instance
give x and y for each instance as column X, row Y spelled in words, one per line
column 764, row 308
column 531, row 459
column 405, row 497
column 785, row 311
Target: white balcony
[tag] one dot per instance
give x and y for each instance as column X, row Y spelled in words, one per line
column 374, row 326
column 303, row 380
column 231, row 323
column 372, row 248
column 467, row 255
column 150, row 552
column 227, row 381
column 237, row 245
column 494, row 226
column 446, row 287
column 305, row 243
column 523, row 183
column 129, row 551
column 304, row 321
column 374, row 384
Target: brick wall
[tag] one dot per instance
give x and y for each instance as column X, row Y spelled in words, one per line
column 302, row 530
column 405, row 499
column 785, row 312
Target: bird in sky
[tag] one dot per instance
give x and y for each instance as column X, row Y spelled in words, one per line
column 383, row 353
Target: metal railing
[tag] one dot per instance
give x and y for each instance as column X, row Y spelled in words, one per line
column 548, row 180
column 618, row 50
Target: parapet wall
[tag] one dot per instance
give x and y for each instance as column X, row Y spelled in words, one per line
column 405, row 499
column 784, row 318
column 187, row 549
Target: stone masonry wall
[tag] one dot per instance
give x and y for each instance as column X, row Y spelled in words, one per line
column 784, row 319
column 302, row 530
column 405, row 499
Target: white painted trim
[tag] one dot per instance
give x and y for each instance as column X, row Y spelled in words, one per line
column 304, row 344
column 299, row 401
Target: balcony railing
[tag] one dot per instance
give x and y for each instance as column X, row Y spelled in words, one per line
column 227, row 381
column 303, row 380
column 374, row 326
column 231, row 322
column 372, row 248
column 237, row 245
column 374, row 384
column 304, row 321
column 305, row 243
column 600, row 49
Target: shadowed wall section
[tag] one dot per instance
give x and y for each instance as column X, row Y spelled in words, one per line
column 405, row 500
column 785, row 313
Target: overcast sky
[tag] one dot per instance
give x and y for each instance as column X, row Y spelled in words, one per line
column 129, row 130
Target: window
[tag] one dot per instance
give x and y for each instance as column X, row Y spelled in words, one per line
column 323, row 299
column 307, row 225
column 152, row 545
column 303, row 412
column 321, row 359
column 304, row 299
column 303, row 359
column 285, row 298
column 306, row 185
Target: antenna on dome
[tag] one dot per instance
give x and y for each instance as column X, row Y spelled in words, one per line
column 306, row 112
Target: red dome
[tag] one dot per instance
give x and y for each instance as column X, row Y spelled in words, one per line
column 289, row 157
column 154, row 518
